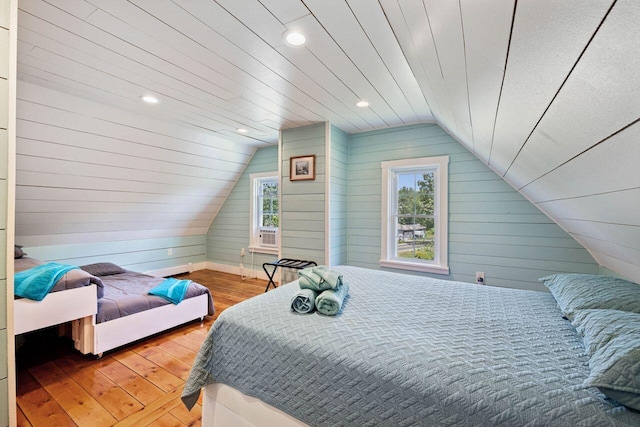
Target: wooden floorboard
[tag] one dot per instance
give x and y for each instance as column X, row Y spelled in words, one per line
column 136, row 385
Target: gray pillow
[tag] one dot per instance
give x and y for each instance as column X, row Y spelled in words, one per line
column 583, row 291
column 18, row 252
column 103, row 269
column 612, row 338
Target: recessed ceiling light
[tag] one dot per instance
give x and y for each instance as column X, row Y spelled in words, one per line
column 150, row 99
column 294, row 38
column 362, row 104
column 242, row 130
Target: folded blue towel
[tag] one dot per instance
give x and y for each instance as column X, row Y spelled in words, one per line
column 303, row 301
column 331, row 277
column 310, row 280
column 330, row 302
column 171, row 289
column 35, row 283
column 319, row 278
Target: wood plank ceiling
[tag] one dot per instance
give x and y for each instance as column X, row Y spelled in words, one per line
column 546, row 92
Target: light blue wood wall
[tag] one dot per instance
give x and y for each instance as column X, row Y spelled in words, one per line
column 229, row 231
column 607, row 272
column 303, row 202
column 138, row 255
column 492, row 228
column 339, row 149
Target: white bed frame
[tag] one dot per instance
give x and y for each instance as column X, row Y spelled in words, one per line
column 54, row 309
column 96, row 338
column 224, row 406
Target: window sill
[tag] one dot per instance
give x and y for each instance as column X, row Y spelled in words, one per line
column 262, row 250
column 414, row 266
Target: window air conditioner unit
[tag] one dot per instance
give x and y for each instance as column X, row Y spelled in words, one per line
column 268, row 237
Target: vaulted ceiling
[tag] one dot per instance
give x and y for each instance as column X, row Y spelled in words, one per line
column 545, row 92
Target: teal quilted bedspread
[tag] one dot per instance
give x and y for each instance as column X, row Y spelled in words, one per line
column 408, row 350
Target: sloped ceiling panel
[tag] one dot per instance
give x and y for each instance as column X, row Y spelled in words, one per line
column 553, row 90
column 545, row 92
column 87, row 172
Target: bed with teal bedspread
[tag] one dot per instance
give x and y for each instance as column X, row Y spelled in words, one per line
column 408, row 350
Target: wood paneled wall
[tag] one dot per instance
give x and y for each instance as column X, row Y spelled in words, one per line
column 303, row 202
column 90, row 173
column 138, row 255
column 338, row 228
column 492, row 227
column 230, row 231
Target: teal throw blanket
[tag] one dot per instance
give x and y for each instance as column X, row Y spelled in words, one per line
column 35, row 283
column 319, row 278
column 303, row 301
column 330, row 302
column 171, row 289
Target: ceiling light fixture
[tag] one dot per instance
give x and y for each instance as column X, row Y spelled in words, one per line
column 242, row 130
column 362, row 104
column 294, row 38
column 150, row 99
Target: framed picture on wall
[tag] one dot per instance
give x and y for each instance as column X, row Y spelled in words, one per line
column 302, row 168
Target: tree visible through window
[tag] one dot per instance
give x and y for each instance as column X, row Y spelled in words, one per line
column 264, row 207
column 415, row 221
column 414, row 214
column 268, row 200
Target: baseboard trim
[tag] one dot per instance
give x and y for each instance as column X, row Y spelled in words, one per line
column 210, row 265
column 231, row 269
column 178, row 269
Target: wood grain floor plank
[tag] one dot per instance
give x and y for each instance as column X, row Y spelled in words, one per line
column 152, row 411
column 166, row 420
column 178, row 351
column 138, row 387
column 155, row 374
column 190, row 418
column 170, row 363
column 21, row 419
column 79, row 405
column 113, row 398
column 37, row 405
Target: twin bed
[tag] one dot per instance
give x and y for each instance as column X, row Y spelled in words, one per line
column 108, row 306
column 405, row 350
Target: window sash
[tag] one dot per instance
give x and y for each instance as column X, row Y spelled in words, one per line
column 394, row 231
column 264, row 207
column 395, row 172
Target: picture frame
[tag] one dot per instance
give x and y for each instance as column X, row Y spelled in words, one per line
column 302, row 168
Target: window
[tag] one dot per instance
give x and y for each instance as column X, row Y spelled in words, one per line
column 414, row 214
column 265, row 217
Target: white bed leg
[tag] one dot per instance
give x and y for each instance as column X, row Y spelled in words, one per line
column 82, row 333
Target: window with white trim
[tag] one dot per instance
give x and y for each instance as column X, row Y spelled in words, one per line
column 265, row 216
column 414, row 214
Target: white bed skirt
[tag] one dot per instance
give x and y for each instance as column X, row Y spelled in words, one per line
column 224, row 406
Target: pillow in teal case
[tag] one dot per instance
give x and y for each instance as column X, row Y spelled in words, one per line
column 612, row 338
column 583, row 291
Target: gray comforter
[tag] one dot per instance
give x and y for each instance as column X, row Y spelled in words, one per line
column 75, row 278
column 408, row 350
column 127, row 293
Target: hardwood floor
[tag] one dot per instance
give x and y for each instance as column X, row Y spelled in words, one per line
column 136, row 385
